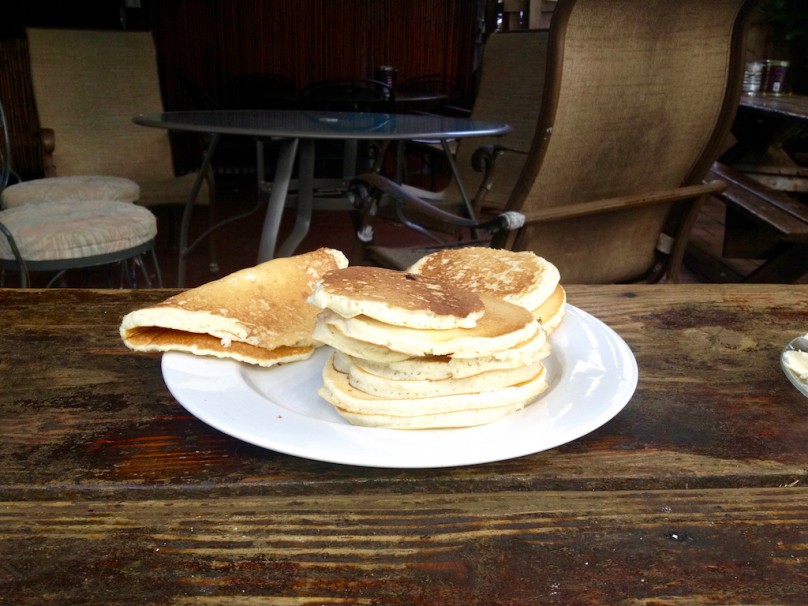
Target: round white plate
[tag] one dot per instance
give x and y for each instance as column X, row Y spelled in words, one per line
column 797, row 344
column 592, row 375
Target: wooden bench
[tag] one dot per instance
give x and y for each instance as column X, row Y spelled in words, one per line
column 762, row 223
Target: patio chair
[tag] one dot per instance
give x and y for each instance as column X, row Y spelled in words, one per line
column 50, row 234
column 510, row 89
column 88, row 85
column 638, row 98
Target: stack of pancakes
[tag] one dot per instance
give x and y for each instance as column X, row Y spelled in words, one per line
column 413, row 352
column 522, row 278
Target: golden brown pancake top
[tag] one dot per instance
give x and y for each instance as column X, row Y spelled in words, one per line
column 400, row 290
column 484, row 270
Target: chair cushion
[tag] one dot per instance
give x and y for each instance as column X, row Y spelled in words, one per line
column 49, row 231
column 71, row 189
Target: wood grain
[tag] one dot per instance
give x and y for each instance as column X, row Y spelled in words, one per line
column 694, row 494
column 659, row 547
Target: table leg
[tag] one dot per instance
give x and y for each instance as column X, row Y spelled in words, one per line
column 305, row 201
column 277, row 198
column 185, row 226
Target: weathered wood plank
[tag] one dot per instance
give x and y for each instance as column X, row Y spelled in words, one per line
column 644, row 547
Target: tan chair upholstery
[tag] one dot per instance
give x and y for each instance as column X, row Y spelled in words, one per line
column 638, row 97
column 88, row 86
column 510, row 91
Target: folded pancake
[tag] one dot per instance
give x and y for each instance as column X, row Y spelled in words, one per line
column 522, row 278
column 458, row 410
column 258, row 315
column 397, row 298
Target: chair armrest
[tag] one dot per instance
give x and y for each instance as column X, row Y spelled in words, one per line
column 597, row 207
column 672, row 242
column 456, row 110
column 362, row 189
column 448, row 110
column 47, row 138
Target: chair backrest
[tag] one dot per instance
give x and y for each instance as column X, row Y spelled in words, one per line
column 638, row 97
column 88, row 85
column 510, row 89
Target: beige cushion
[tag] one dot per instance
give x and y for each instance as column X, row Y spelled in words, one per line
column 49, row 231
column 71, row 189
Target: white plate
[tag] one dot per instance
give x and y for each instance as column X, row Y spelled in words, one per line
column 592, row 375
column 798, row 344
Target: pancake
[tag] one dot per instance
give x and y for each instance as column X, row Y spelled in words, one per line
column 459, row 410
column 383, row 387
column 165, row 339
column 436, row 368
column 258, row 315
column 397, row 298
column 503, row 326
column 522, row 278
column 552, row 311
column 333, row 336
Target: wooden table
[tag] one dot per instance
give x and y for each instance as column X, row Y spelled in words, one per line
column 694, row 494
column 786, row 106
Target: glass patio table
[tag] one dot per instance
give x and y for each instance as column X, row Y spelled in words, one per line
column 296, row 132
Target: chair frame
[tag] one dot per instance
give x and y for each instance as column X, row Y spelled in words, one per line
column 62, row 266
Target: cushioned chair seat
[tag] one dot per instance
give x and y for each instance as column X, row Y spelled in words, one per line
column 50, row 231
column 71, row 189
